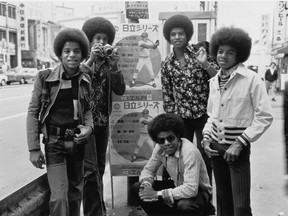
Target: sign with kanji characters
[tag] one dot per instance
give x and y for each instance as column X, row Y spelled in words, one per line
column 130, row 143
column 137, row 10
column 279, row 20
column 23, row 27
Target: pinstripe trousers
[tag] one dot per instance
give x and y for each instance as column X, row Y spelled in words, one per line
column 233, row 182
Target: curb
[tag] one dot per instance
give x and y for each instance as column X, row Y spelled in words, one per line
column 30, row 200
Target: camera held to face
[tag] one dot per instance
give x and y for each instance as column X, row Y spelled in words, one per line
column 108, row 50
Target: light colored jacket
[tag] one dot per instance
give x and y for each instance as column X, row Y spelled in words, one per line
column 37, row 114
column 244, row 103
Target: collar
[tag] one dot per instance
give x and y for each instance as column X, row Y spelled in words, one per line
column 57, row 73
column 229, row 71
column 190, row 48
column 237, row 69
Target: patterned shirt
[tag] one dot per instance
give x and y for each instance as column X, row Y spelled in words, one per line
column 100, row 94
column 185, row 91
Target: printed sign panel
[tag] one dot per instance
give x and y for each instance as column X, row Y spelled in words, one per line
column 137, row 10
column 130, row 144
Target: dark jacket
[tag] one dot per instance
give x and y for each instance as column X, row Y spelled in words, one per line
column 269, row 77
column 37, row 113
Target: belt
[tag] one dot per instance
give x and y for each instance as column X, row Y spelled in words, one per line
column 57, row 131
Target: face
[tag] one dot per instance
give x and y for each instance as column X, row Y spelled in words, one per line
column 101, row 38
column 178, row 38
column 168, row 142
column 71, row 56
column 226, row 57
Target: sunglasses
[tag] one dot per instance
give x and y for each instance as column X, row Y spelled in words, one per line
column 169, row 138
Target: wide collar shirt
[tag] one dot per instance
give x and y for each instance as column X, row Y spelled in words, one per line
column 185, row 90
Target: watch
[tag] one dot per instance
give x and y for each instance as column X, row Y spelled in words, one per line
column 159, row 194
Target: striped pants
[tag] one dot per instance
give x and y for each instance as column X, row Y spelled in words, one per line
column 233, row 182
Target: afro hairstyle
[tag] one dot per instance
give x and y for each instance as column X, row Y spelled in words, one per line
column 234, row 37
column 72, row 35
column 178, row 21
column 166, row 122
column 96, row 25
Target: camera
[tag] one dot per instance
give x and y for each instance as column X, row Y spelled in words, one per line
column 108, row 50
column 69, row 133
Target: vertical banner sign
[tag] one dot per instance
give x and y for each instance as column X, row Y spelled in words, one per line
column 265, row 30
column 130, row 144
column 279, row 23
column 23, row 27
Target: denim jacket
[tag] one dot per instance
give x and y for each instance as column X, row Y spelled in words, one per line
column 37, row 113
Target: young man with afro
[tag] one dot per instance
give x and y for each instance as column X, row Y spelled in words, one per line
column 239, row 113
column 106, row 78
column 59, row 108
column 188, row 191
column 185, row 74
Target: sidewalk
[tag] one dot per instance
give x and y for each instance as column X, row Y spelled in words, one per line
column 267, row 172
column 120, row 196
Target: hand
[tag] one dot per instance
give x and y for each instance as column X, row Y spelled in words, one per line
column 147, row 192
column 37, row 159
column 201, row 57
column 82, row 137
column 232, row 153
column 97, row 52
column 209, row 152
column 84, row 68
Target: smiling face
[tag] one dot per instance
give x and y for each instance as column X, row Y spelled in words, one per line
column 226, row 57
column 178, row 37
column 71, row 56
column 168, row 142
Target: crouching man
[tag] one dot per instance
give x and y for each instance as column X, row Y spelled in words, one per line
column 188, row 191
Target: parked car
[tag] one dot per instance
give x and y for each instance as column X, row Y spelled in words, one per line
column 21, row 75
column 3, row 78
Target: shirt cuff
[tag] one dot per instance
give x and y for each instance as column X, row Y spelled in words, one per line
column 207, row 135
column 243, row 139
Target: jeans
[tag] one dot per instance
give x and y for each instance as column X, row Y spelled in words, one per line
column 186, row 206
column 94, row 168
column 233, row 182
column 65, row 176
